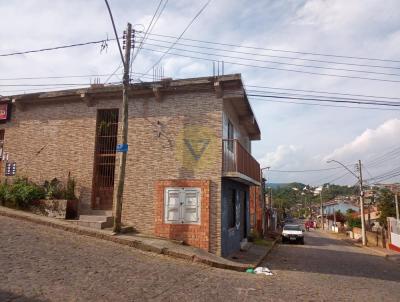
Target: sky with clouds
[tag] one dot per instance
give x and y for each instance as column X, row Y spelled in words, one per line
column 294, row 137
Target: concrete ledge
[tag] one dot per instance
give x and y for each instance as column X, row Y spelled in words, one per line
column 150, row 244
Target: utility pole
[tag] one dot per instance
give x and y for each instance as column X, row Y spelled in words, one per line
column 334, row 219
column 397, row 206
column 363, row 235
column 322, row 211
column 124, row 130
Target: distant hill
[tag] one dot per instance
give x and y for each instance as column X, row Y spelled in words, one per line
column 277, row 185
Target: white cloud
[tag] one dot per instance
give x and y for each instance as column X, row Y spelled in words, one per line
column 368, row 146
column 370, row 143
column 294, row 136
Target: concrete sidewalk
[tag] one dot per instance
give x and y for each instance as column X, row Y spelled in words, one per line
column 388, row 254
column 253, row 256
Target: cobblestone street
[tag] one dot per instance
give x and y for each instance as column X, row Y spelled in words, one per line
column 43, row 264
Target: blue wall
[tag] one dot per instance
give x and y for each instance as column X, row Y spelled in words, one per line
column 342, row 207
column 230, row 241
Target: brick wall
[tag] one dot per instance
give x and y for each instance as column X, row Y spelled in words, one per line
column 49, row 140
column 255, row 209
column 157, row 130
column 192, row 234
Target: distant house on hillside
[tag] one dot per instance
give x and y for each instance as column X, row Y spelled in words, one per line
column 342, row 205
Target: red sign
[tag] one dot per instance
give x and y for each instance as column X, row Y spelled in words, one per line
column 3, row 112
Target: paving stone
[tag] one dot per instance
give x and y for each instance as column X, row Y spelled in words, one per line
column 38, row 263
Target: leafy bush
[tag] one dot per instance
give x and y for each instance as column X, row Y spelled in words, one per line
column 354, row 222
column 54, row 189
column 22, row 193
column 70, row 191
column 4, row 193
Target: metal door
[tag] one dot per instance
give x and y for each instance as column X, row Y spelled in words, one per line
column 104, row 159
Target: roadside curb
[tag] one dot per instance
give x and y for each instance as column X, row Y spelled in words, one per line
column 263, row 258
column 119, row 239
column 356, row 244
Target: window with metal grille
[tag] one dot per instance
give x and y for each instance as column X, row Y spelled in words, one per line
column 182, row 205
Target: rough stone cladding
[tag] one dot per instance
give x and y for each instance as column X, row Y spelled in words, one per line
column 193, row 234
column 49, row 140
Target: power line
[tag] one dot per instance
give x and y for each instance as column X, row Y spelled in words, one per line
column 274, row 56
column 326, row 100
column 276, row 68
column 54, row 77
column 180, row 36
column 387, row 178
column 54, row 48
column 326, row 92
column 386, row 174
column 304, row 171
column 276, row 62
column 382, row 158
column 337, row 178
column 149, row 29
column 321, row 96
column 325, row 105
column 284, row 50
column 42, row 84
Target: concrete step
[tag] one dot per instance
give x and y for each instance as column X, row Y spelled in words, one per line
column 93, row 224
column 98, row 218
column 97, row 212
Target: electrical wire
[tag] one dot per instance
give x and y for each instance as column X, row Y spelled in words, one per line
column 283, row 50
column 149, row 29
column 393, row 104
column 278, row 57
column 274, row 68
column 308, row 96
column 383, row 158
column 54, row 48
column 180, row 36
column 326, row 92
column 275, row 62
column 303, row 171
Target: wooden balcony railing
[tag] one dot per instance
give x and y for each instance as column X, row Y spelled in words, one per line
column 237, row 159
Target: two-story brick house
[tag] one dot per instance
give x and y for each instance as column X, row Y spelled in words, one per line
column 189, row 168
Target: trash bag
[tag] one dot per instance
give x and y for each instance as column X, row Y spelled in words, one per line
column 250, row 271
column 263, row 270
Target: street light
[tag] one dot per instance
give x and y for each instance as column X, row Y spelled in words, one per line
column 359, row 178
column 263, row 198
column 319, row 190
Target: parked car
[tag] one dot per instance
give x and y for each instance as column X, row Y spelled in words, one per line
column 293, row 233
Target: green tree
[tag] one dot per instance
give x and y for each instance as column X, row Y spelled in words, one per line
column 386, row 206
column 352, row 221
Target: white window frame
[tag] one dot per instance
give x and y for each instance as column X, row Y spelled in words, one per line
column 182, row 204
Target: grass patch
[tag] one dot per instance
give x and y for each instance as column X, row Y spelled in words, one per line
column 263, row 242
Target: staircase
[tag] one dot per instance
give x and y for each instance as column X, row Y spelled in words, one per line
column 97, row 219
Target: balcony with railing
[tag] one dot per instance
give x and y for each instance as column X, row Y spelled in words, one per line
column 239, row 164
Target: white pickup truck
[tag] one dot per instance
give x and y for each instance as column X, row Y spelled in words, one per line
column 293, row 232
